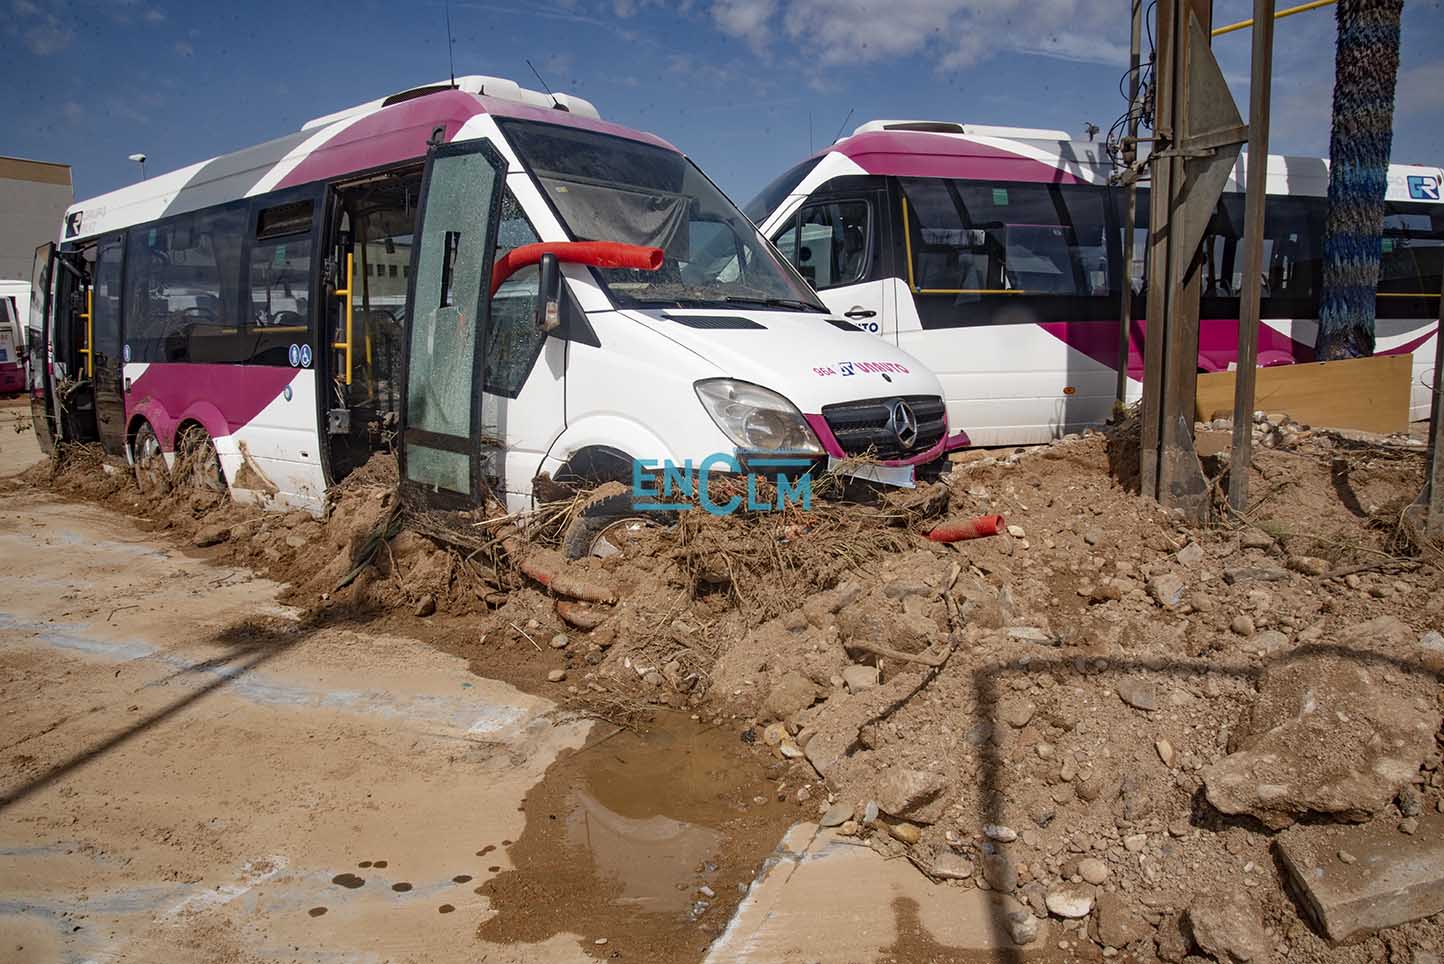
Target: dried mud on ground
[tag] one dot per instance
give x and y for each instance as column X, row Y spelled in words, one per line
column 1081, row 713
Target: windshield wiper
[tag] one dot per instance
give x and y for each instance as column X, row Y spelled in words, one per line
column 794, row 303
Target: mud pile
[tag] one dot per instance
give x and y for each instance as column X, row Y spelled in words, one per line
column 1102, row 712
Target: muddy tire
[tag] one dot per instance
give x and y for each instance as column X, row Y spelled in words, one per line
column 151, row 475
column 198, row 464
column 606, row 521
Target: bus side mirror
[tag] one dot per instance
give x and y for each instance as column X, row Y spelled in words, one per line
column 549, row 294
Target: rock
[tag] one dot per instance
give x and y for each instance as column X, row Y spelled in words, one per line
column 1165, row 752
column 559, row 641
column 951, row 866
column 1093, row 870
column 212, row 535
column 1030, row 634
column 1242, row 625
column 297, row 541
column 905, row 832
column 789, row 696
column 1308, row 565
column 1070, row 902
column 426, row 605
column 1141, row 694
column 1093, row 536
column 774, row 733
column 789, row 749
column 1191, row 554
column 556, row 675
column 1000, row 873
column 902, row 791
column 1016, row 532
column 858, row 677
column 1269, row 641
column 1135, row 842
column 1256, row 539
column 1016, row 713
column 1396, row 879
column 1242, row 574
column 1202, row 602
column 1172, row 942
column 994, row 831
column 1227, row 928
column 1118, row 923
column 1325, row 736
column 836, row 815
column 1022, row 927
column 1409, row 825
column 848, row 828
column 1410, row 802
column 1166, row 590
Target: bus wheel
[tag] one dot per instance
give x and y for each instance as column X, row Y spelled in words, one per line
column 151, row 476
column 607, row 521
column 198, row 464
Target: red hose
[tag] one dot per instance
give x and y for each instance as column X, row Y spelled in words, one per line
column 956, row 530
column 598, row 254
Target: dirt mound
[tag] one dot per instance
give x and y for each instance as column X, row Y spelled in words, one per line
column 1034, row 712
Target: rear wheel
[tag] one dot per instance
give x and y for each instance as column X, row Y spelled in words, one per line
column 198, row 464
column 151, row 475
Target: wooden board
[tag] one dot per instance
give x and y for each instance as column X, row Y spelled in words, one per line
column 1368, row 394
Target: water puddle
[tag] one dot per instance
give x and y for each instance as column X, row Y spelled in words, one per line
column 645, row 840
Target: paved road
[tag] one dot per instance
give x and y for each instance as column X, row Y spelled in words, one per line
column 184, row 769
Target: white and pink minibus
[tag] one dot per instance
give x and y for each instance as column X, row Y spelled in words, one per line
column 994, row 255
column 495, row 279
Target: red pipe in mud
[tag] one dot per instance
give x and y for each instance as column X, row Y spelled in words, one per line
column 956, row 530
column 598, row 254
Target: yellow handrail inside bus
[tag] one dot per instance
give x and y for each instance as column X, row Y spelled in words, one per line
column 88, row 350
column 346, row 293
column 912, row 285
column 1245, row 24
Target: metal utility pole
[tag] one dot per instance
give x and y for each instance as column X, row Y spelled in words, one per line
column 1198, row 135
column 1130, row 212
column 1431, row 501
column 1256, row 193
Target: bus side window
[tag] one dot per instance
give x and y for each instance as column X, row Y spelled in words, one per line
column 828, row 242
column 278, row 285
column 180, row 287
column 513, row 343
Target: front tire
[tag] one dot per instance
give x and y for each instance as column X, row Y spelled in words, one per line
column 607, row 522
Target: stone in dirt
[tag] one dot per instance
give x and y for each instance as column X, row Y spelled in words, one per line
column 1242, row 574
column 426, row 605
column 1000, row 873
column 902, row 791
column 1141, row 694
column 789, row 696
column 1093, row 870
column 1166, row 590
column 1070, row 902
column 1118, row 923
column 1325, row 736
column 556, row 675
column 952, row 867
column 1022, row 927
column 1227, row 928
column 1388, row 879
column 1191, row 554
column 836, row 815
column 1308, row 565
column 1017, row 713
column 858, row 678
column 1255, row 539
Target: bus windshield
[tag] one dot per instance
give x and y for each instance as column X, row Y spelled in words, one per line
column 607, row 188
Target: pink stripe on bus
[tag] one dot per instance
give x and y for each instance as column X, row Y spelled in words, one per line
column 916, row 154
column 222, row 398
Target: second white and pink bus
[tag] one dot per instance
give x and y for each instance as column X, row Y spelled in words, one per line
column 995, row 255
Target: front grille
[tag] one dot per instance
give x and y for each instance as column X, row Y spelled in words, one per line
column 864, row 427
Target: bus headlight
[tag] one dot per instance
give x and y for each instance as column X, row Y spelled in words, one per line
column 756, row 418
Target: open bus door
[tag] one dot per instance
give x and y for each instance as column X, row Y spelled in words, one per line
column 37, row 348
column 447, row 458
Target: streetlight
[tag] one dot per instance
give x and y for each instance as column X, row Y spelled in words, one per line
column 139, row 159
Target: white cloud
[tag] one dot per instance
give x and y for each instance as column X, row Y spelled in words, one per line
column 25, row 8
column 155, row 15
column 48, row 37
column 948, row 33
column 185, row 48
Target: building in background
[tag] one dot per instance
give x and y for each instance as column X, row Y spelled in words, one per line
column 33, row 199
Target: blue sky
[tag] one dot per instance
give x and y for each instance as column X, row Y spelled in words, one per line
column 744, row 86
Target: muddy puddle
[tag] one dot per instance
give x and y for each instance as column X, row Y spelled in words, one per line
column 647, row 840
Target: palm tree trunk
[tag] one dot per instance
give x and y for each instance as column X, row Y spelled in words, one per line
column 1366, row 67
